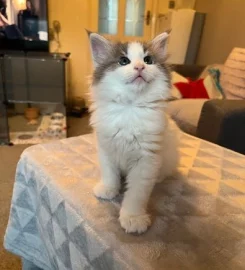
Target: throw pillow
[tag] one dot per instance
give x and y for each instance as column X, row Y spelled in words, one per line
column 175, row 93
column 208, row 87
column 192, row 89
column 232, row 78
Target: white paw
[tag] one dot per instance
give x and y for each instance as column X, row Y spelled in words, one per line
column 103, row 192
column 134, row 223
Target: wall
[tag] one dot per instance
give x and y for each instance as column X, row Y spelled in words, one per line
column 74, row 18
column 223, row 29
column 163, row 5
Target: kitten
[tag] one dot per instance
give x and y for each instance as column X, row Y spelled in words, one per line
column 136, row 139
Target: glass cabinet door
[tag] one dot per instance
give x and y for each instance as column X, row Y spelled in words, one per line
column 15, row 77
column 108, row 16
column 134, row 18
column 4, row 129
column 1, row 80
column 125, row 20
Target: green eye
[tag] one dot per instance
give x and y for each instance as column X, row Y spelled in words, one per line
column 148, row 60
column 123, row 61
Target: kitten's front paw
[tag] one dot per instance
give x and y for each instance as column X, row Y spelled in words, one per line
column 134, row 223
column 103, row 192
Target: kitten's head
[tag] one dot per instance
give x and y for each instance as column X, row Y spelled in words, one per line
column 127, row 70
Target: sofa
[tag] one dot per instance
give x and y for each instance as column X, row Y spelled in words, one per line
column 220, row 121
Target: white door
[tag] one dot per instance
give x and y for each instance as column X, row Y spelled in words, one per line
column 123, row 20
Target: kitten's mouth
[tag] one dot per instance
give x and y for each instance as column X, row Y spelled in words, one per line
column 139, row 79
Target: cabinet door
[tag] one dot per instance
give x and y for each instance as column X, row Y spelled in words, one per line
column 4, row 130
column 15, row 77
column 124, row 20
column 46, row 80
column 1, row 80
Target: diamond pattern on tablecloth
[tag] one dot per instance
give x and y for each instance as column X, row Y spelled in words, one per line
column 54, row 263
column 223, row 207
column 50, row 232
column 31, row 226
column 226, row 175
column 185, row 144
column 73, row 219
column 207, row 162
column 59, row 236
column 78, row 260
column 79, row 238
column 24, row 200
column 20, row 177
column 229, row 164
column 25, row 216
column 44, row 216
column 203, row 174
column 95, row 246
column 44, row 198
column 205, row 153
column 226, row 190
column 105, row 260
column 15, row 223
column 63, row 253
column 189, row 152
column 59, row 199
column 60, row 218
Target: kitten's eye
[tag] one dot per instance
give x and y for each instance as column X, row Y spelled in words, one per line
column 123, row 61
column 148, row 60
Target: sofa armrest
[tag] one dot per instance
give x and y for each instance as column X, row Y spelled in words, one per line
column 190, row 71
column 223, row 122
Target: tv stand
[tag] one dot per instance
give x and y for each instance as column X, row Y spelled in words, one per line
column 35, row 78
column 24, row 45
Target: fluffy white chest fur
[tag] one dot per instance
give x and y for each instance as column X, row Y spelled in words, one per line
column 135, row 137
column 129, row 132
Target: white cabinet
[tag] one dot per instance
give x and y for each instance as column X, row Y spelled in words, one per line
column 180, row 22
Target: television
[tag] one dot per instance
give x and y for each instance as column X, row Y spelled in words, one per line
column 24, row 25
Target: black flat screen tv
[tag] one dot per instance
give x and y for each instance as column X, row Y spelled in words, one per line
column 24, row 25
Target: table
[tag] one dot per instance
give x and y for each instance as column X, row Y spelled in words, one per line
column 56, row 223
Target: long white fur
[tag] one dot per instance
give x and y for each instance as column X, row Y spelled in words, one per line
column 135, row 137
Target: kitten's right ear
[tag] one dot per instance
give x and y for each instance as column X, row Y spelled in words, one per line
column 159, row 43
column 100, row 47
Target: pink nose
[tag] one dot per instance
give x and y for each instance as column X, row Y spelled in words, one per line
column 139, row 66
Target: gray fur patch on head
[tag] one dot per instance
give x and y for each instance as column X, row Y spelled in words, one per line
column 111, row 62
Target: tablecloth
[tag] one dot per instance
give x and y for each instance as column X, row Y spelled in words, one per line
column 198, row 214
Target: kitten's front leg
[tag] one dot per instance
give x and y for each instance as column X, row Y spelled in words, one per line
column 109, row 186
column 141, row 180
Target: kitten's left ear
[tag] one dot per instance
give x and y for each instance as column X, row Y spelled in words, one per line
column 100, row 47
column 159, row 43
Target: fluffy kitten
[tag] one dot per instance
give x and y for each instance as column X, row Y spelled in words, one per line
column 136, row 139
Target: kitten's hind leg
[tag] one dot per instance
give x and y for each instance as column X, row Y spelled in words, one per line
column 170, row 163
column 170, row 154
column 140, row 182
column 109, row 186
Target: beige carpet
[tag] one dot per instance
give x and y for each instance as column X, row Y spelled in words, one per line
column 9, row 156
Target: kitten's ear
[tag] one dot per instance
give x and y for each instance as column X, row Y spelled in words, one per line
column 100, row 47
column 159, row 43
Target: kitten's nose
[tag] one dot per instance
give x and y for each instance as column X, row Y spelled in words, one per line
column 139, row 66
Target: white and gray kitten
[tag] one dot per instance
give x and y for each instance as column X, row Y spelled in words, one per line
column 136, row 139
